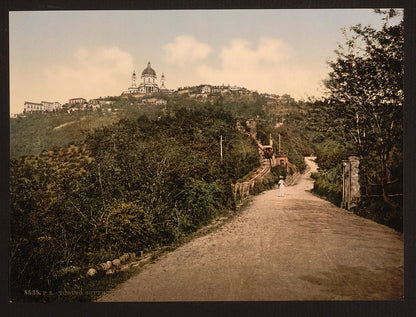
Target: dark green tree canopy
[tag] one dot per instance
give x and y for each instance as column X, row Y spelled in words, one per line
column 366, row 86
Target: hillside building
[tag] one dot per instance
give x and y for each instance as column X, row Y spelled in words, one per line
column 51, row 106
column 223, row 90
column 32, row 107
column 40, row 107
column 206, row 90
column 133, row 88
column 75, row 101
column 162, row 86
column 148, row 83
column 155, row 101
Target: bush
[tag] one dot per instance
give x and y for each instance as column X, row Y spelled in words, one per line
column 199, row 203
column 376, row 209
column 129, row 227
column 278, row 171
column 328, row 185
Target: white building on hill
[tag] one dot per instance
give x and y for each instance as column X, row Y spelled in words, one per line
column 51, row 106
column 75, row 101
column 155, row 101
column 42, row 106
column 32, row 107
column 223, row 90
column 148, row 83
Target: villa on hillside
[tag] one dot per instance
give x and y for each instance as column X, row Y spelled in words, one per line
column 223, row 90
column 76, row 104
column 73, row 104
column 40, row 107
column 155, row 101
column 75, row 101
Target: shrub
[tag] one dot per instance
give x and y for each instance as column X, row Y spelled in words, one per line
column 376, row 209
column 129, row 227
column 328, row 184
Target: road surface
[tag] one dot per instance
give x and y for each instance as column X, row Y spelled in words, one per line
column 297, row 247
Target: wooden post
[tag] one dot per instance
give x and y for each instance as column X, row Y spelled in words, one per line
column 221, row 147
column 343, row 184
column 279, row 143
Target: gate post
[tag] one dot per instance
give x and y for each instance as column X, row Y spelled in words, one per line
column 350, row 182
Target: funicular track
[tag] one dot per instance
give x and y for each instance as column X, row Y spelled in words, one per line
column 241, row 190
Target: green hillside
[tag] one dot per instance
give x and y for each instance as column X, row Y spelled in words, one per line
column 33, row 133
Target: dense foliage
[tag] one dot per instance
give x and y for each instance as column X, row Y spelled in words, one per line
column 365, row 89
column 130, row 186
column 366, row 84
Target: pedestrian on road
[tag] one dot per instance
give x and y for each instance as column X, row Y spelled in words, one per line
column 281, row 184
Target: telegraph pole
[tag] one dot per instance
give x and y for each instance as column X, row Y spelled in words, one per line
column 279, row 143
column 221, row 147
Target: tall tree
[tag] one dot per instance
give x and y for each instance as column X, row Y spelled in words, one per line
column 366, row 86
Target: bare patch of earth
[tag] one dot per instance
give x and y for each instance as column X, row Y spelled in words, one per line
column 297, row 247
column 68, row 123
column 63, row 125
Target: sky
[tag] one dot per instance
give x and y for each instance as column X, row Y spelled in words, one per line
column 58, row 55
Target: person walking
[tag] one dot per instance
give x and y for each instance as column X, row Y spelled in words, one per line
column 281, row 184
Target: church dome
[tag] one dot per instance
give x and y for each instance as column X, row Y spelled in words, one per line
column 148, row 71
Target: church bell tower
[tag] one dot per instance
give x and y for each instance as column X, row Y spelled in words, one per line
column 133, row 79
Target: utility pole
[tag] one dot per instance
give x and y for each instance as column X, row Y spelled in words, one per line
column 279, row 143
column 221, row 147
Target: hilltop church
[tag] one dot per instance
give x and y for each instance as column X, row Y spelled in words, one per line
column 148, row 83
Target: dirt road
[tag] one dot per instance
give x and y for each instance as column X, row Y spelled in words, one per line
column 297, row 247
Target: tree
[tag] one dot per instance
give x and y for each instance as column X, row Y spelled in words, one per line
column 366, row 85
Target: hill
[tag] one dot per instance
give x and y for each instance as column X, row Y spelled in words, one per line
column 129, row 186
column 35, row 132
column 87, row 186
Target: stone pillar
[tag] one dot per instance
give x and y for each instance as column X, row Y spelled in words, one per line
column 350, row 182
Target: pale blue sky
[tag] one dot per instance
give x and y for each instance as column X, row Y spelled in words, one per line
column 57, row 55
